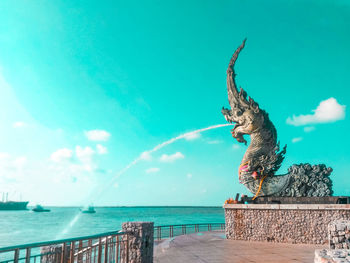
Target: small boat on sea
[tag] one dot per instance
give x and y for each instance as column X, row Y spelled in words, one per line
column 88, row 210
column 39, row 208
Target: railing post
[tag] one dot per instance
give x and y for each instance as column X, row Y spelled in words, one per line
column 127, row 248
column 116, row 249
column 16, row 256
column 89, row 251
column 106, row 250
column 63, row 253
column 99, row 250
column 80, row 252
column 27, row 255
column 72, row 248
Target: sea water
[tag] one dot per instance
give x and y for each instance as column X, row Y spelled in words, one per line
column 22, row 227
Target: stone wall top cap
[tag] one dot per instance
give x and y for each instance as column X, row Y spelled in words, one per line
column 289, row 206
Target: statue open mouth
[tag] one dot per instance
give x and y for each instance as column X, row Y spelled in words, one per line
column 263, row 156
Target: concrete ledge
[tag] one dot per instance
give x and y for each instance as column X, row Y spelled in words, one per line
column 289, row 206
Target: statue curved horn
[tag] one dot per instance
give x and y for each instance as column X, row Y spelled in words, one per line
column 235, row 98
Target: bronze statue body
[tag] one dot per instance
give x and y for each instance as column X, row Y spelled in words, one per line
column 263, row 156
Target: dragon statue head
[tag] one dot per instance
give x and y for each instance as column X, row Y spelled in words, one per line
column 246, row 114
column 261, row 157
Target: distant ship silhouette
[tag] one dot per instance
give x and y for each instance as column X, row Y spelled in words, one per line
column 5, row 204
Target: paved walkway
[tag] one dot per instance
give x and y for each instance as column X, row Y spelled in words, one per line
column 212, row 247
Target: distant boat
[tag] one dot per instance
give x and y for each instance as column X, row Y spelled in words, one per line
column 13, row 205
column 39, row 208
column 5, row 204
column 88, row 210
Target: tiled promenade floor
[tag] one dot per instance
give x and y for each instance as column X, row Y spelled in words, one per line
column 212, row 247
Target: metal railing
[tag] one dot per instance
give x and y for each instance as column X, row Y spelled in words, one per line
column 169, row 231
column 106, row 247
column 110, row 247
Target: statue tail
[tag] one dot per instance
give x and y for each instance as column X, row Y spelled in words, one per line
column 307, row 180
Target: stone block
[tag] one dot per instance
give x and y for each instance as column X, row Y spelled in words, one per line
column 332, row 256
column 53, row 254
column 338, row 246
column 140, row 241
column 340, row 237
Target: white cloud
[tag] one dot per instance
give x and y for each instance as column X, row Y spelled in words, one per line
column 101, row 149
column 309, row 128
column 189, row 176
column 11, row 168
column 84, row 154
column 192, row 136
column 4, row 155
column 297, row 139
column 18, row 124
column 97, row 135
column 64, row 158
column 236, row 146
column 327, row 111
column 20, row 161
column 172, row 157
column 61, row 155
column 215, row 141
column 152, row 170
column 146, row 156
column 116, row 185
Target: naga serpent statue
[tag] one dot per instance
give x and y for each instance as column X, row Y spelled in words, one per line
column 263, row 156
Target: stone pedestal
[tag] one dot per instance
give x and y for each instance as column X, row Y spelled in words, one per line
column 140, row 242
column 299, row 223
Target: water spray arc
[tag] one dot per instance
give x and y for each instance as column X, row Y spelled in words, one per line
column 133, row 163
column 157, row 148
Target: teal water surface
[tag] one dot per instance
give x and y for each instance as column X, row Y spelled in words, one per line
column 20, row 227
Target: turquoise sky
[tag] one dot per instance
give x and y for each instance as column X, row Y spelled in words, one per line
column 143, row 72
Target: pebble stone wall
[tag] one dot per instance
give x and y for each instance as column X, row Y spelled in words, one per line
column 140, row 242
column 339, row 234
column 306, row 224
